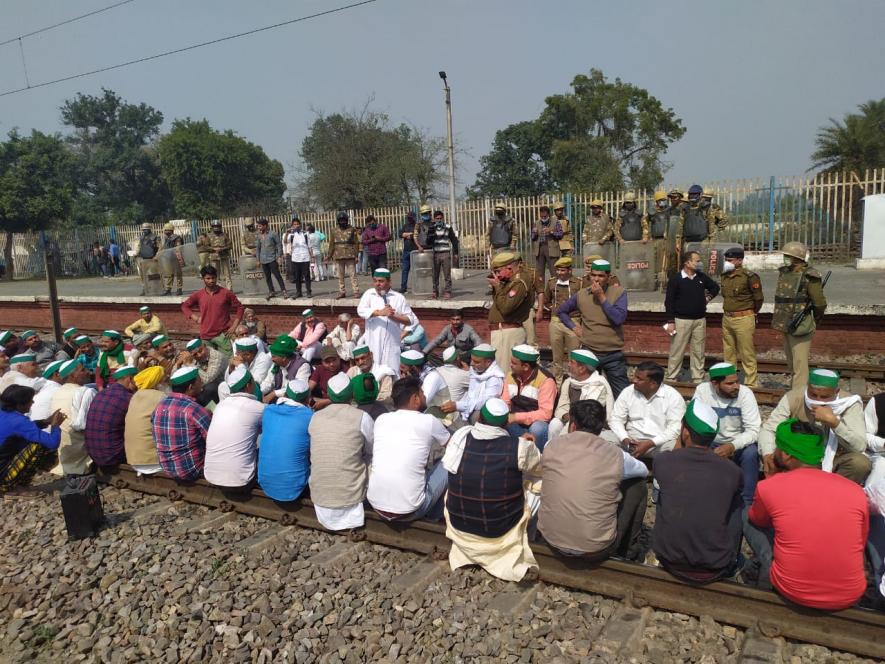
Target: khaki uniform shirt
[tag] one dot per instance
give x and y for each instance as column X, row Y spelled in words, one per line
column 741, row 290
column 220, row 242
column 597, row 230
column 512, row 301
column 555, row 295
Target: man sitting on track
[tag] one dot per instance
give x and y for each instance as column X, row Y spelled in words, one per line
column 284, row 462
column 341, row 438
column 697, row 533
column 138, row 435
column 248, row 355
column 231, row 442
column 840, row 416
column 364, row 362
column 739, row 422
column 593, row 494
column 23, row 370
column 807, row 528
column 106, row 419
column 583, row 383
column 365, row 395
column 487, row 505
column 486, row 380
column 288, row 365
column 180, row 425
column 530, row 394
column 444, row 384
column 874, row 417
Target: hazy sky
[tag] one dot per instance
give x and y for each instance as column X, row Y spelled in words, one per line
column 751, row 80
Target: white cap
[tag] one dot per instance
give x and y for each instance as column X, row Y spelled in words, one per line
column 450, row 354
column 339, row 382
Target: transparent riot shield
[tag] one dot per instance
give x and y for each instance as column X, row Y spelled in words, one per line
column 421, row 273
column 638, row 269
column 151, row 276
column 252, row 276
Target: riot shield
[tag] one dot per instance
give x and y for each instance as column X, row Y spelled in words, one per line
column 150, row 275
column 252, row 276
column 638, row 268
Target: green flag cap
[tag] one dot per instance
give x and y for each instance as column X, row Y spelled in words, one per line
column 22, row 357
column 52, row 368
column 111, row 334
column 339, row 388
column 601, row 265
column 701, row 419
column 297, row 390
column 122, row 372
column 412, row 358
column 525, row 353
column 495, row 411
column 159, row 340
column 184, row 375
column 381, row 273
column 365, row 388
column 246, row 344
column 360, row 350
column 807, row 447
column 722, row 369
column 584, row 357
column 484, row 350
column 823, row 378
column 67, row 334
column 238, row 378
column 27, row 334
column 193, row 344
column 67, row 368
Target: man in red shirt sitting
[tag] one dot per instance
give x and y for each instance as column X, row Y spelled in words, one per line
column 815, row 522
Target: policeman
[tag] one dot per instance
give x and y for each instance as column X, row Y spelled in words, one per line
column 566, row 244
column 659, row 216
column 695, row 226
column 204, row 248
column 171, row 240
column 501, row 233
column 597, row 229
column 148, row 246
column 742, row 299
column 676, row 200
column 220, row 245
column 631, row 224
column 546, row 234
column 343, row 249
column 250, row 238
column 712, row 210
column 557, row 291
column 798, row 284
column 513, row 293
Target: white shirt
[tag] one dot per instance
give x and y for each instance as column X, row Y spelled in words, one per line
column 871, row 420
column 403, row 443
column 16, row 377
column 41, row 409
column 300, row 248
column 338, row 338
column 80, row 406
column 383, row 334
column 259, row 368
column 481, row 388
column 231, row 441
column 659, row 419
column 739, row 419
column 454, row 378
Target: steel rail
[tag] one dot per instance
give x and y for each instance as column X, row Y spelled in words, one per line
column 857, row 631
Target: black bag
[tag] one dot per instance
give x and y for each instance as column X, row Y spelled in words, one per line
column 81, row 505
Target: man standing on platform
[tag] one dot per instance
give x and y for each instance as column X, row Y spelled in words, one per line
column 513, row 293
column 386, row 313
column 219, row 313
column 221, row 245
column 375, row 238
column 343, row 248
column 741, row 300
column 501, row 233
column 686, row 304
column 603, row 309
column 408, row 233
column 567, row 242
column 798, row 285
column 172, row 240
column 556, row 293
column 443, row 242
column 598, row 229
column 631, row 224
column 546, row 235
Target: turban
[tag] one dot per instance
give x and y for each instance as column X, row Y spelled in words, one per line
column 149, row 378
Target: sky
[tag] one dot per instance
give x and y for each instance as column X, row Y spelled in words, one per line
column 752, row 80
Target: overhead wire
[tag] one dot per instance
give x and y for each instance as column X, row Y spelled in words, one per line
column 70, row 20
column 188, row 48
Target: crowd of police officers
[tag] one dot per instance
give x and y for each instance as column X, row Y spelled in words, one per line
column 522, row 294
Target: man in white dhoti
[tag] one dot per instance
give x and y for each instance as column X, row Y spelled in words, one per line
column 386, row 313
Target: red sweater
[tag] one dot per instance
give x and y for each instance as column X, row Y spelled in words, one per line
column 820, row 522
column 216, row 310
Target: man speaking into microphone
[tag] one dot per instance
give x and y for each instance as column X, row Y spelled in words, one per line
column 386, row 313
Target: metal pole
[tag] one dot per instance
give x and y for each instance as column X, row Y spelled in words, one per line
column 49, row 263
column 452, row 216
column 771, row 214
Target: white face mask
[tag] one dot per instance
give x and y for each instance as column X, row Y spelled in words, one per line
column 728, row 266
column 788, row 260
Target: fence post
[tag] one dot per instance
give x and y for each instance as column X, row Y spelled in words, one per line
column 568, row 209
column 771, row 214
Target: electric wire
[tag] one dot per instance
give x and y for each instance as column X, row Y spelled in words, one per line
column 70, row 20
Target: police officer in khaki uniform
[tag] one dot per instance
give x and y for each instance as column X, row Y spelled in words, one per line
column 204, row 248
column 798, row 284
column 742, row 299
column 712, row 211
column 172, row 240
column 598, row 231
column 567, row 243
column 556, row 292
column 501, row 231
column 631, row 224
column 658, row 221
column 220, row 244
column 250, row 238
column 546, row 234
column 513, row 294
column 343, row 249
column 696, row 225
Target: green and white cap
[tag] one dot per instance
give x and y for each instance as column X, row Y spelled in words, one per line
column 184, row 375
column 67, row 334
column 124, row 371
column 238, row 378
column 144, row 309
column 193, row 344
column 67, row 368
column 823, row 378
column 307, row 313
column 159, row 340
column 412, row 358
column 27, row 334
column 6, row 335
column 111, row 334
column 339, row 388
column 381, row 273
column 52, row 368
column 247, row 344
column 297, row 390
column 82, row 339
column 495, row 411
column 525, row 353
column 484, row 350
column 722, row 369
column 584, row 357
column 701, row 419
column 360, row 350
column 450, row 355
column 22, row 357
column 601, row 265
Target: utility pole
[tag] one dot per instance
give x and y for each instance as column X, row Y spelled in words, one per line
column 452, row 219
column 49, row 262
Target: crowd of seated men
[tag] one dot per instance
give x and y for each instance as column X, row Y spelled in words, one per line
column 502, row 458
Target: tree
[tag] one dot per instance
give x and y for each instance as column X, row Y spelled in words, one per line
column 357, row 160
column 211, row 173
column 855, row 144
column 602, row 135
column 118, row 174
column 36, row 185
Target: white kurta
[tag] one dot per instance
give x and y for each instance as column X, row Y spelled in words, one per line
column 383, row 334
column 259, row 368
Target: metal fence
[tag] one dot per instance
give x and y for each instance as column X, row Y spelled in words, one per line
column 824, row 211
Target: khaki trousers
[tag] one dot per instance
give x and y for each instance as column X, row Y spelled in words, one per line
column 737, row 344
column 342, row 268
column 174, row 276
column 691, row 333
column 562, row 342
column 222, row 264
column 529, row 326
column 797, row 350
column 504, row 341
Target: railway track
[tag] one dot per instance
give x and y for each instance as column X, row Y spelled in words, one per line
column 857, row 631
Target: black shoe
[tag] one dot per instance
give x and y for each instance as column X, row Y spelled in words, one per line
column 168, row 291
column 298, row 296
column 309, row 294
column 270, row 295
column 178, row 292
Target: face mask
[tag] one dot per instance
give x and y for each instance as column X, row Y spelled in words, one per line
column 342, row 224
column 217, row 231
column 661, row 204
column 425, row 217
column 698, row 267
column 146, row 232
column 373, row 225
column 788, row 260
column 440, row 224
column 728, row 267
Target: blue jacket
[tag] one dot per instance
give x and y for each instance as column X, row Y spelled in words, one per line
column 284, row 452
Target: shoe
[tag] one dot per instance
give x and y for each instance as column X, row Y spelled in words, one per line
column 340, row 296
column 434, row 296
column 168, row 291
column 178, row 292
column 447, row 295
column 309, row 294
column 297, row 296
column 403, row 290
column 270, row 295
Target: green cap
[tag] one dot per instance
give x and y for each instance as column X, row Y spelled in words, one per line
column 67, row 368
column 412, row 358
column 297, row 390
column 52, row 368
column 601, row 265
column 484, row 350
column 283, row 346
column 360, row 350
column 365, row 388
column 525, row 353
column 339, row 388
column 381, row 273
column 27, row 334
column 67, row 334
column 806, row 447
column 22, row 357
column 159, row 340
column 184, row 375
column 111, row 334
column 238, row 378
column 82, row 339
column 722, row 369
column 193, row 344
column 584, row 357
column 495, row 411
column 701, row 419
column 823, row 378
column 6, row 335
column 124, row 371
column 246, row 344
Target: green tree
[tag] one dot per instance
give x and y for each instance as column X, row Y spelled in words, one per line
column 855, row 144
column 601, row 135
column 118, row 173
column 357, row 160
column 36, row 185
column 212, row 173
